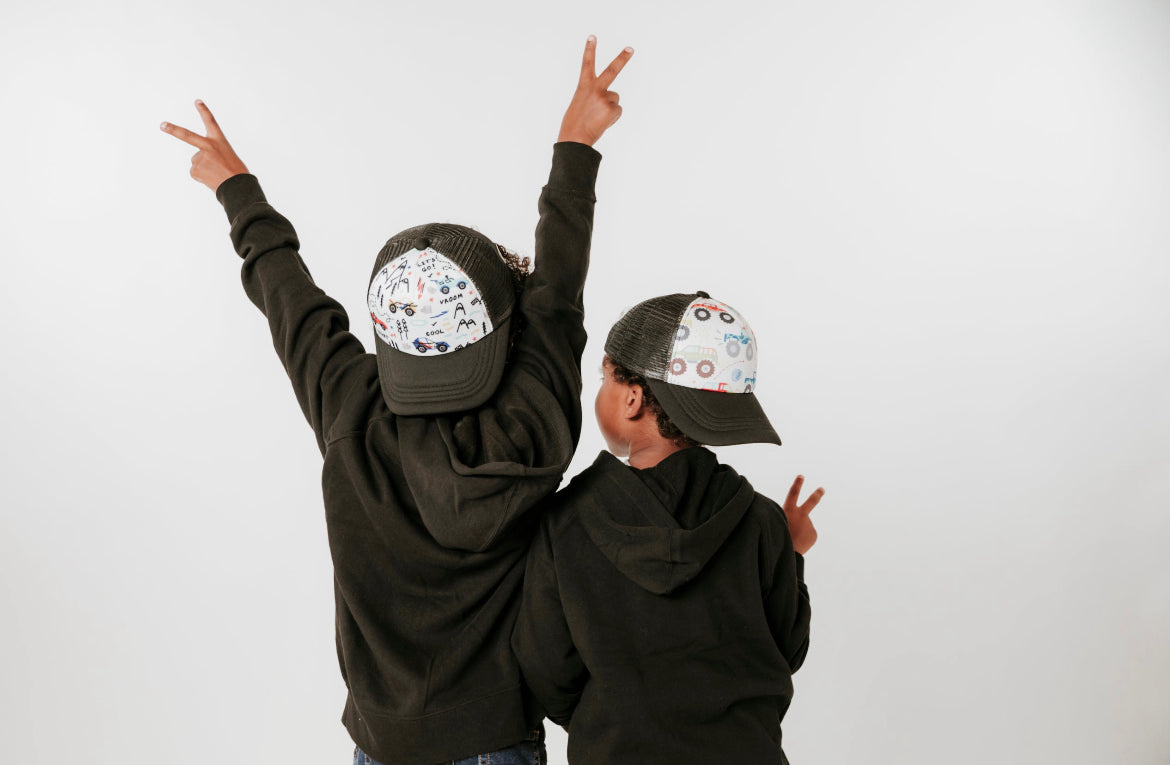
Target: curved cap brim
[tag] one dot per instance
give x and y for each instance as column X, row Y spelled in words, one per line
column 715, row 418
column 443, row 382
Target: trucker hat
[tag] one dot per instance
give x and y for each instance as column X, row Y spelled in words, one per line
column 441, row 300
column 699, row 357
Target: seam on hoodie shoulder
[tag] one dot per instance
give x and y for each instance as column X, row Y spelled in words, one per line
column 343, row 435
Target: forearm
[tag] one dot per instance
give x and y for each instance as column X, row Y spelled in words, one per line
column 553, row 299
column 541, row 640
column 788, row 609
column 309, row 329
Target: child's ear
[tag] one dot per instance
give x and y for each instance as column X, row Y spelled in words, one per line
column 633, row 402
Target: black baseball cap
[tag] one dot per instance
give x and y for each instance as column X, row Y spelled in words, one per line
column 441, row 300
column 699, row 357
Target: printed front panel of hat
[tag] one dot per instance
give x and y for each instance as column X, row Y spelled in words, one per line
column 714, row 349
column 424, row 304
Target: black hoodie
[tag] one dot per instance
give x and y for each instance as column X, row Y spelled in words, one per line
column 664, row 613
column 428, row 517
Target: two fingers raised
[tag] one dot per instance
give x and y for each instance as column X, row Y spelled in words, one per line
column 589, row 77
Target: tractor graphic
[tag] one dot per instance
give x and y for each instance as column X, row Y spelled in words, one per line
column 703, row 312
column 445, row 283
column 737, row 340
column 422, row 346
column 703, row 358
column 407, row 308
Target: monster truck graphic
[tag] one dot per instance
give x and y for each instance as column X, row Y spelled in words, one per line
column 422, row 346
column 684, row 331
column 705, row 358
column 445, row 283
column 407, row 308
column 734, row 341
column 379, row 322
column 703, row 312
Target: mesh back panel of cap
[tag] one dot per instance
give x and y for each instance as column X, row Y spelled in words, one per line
column 467, row 248
column 641, row 340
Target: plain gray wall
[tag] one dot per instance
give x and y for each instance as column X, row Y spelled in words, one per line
column 947, row 222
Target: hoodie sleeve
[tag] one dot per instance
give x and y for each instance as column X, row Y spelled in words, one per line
column 327, row 365
column 787, row 605
column 541, row 640
column 553, row 339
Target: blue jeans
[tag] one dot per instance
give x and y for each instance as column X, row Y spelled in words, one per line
column 530, row 751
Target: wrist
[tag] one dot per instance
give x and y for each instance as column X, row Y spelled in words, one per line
column 572, row 136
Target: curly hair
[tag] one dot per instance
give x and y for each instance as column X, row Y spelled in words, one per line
column 666, row 428
column 519, row 268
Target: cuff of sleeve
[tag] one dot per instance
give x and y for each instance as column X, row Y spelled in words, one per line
column 799, row 567
column 237, row 192
column 574, row 167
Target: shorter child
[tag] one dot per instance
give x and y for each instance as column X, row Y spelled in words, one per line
column 664, row 606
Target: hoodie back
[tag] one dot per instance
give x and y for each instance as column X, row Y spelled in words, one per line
column 664, row 612
column 429, row 516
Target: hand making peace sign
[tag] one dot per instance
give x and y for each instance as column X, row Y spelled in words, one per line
column 594, row 107
column 804, row 535
column 215, row 161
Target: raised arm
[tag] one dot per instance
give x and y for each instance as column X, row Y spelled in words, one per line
column 327, row 365
column 553, row 300
column 787, row 602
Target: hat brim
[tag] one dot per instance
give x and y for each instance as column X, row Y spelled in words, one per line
column 713, row 417
column 441, row 383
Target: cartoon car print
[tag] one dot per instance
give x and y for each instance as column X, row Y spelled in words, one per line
column 735, row 341
column 407, row 308
column 422, row 346
column 703, row 358
column 379, row 322
column 703, row 312
column 445, row 283
column 684, row 331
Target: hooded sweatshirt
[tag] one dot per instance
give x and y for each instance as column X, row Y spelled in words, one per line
column 664, row 613
column 428, row 516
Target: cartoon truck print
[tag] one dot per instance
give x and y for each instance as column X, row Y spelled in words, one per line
column 407, row 308
column 703, row 358
column 703, row 312
column 422, row 346
column 737, row 340
column 379, row 322
column 445, row 283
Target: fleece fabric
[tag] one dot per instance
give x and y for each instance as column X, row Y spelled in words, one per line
column 664, row 613
column 429, row 517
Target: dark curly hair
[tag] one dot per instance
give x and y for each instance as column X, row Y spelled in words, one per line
column 519, row 268
column 666, row 428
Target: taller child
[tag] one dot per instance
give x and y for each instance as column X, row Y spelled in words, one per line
column 438, row 445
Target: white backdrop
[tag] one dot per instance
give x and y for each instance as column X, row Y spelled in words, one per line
column 947, row 222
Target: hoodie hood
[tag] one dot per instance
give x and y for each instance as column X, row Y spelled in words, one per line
column 471, row 479
column 660, row 526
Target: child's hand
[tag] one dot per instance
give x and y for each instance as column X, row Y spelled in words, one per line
column 800, row 527
column 215, row 161
column 594, row 107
